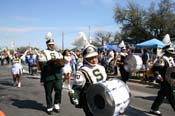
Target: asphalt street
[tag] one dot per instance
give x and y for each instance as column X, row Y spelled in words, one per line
column 29, row 100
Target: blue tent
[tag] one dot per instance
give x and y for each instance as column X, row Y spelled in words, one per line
column 113, row 47
column 153, row 43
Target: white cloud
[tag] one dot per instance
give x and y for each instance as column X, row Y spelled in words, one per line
column 66, row 30
column 87, row 2
column 103, row 2
column 108, row 2
column 26, row 29
column 21, row 18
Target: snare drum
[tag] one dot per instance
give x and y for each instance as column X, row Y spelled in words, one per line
column 109, row 98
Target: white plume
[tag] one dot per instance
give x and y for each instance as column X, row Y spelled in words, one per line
column 166, row 40
column 48, row 36
column 82, row 35
column 82, row 40
column 122, row 44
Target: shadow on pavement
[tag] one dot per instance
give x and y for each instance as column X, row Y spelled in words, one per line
column 153, row 86
column 152, row 98
column 1, row 88
column 131, row 111
column 28, row 104
column 6, row 82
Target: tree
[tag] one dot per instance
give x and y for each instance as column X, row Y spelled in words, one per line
column 102, row 38
column 162, row 20
column 132, row 18
column 78, row 42
column 139, row 24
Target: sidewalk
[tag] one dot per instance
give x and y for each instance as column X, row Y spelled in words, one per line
column 143, row 82
column 134, row 79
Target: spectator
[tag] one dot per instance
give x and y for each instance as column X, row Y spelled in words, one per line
column 73, row 63
column 31, row 63
column 115, row 63
column 79, row 61
column 146, row 65
column 67, row 70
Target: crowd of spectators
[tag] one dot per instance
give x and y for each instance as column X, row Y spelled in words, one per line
column 110, row 59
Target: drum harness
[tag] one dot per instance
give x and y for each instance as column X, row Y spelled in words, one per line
column 164, row 61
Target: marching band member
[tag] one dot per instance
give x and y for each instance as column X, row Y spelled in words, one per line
column 16, row 70
column 90, row 73
column 159, row 68
column 51, row 75
column 110, row 57
column 124, row 74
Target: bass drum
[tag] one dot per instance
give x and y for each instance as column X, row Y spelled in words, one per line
column 108, row 98
column 170, row 76
column 133, row 63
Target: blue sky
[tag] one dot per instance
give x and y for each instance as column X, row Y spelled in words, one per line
column 26, row 22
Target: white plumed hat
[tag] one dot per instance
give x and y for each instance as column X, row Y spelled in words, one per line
column 166, row 40
column 49, row 39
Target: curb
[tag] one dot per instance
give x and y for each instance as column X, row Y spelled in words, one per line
column 133, row 80
column 143, row 82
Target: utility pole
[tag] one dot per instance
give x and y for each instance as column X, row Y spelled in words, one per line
column 89, row 31
column 89, row 38
column 62, row 41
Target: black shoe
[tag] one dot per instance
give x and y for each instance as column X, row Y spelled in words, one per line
column 49, row 112
column 57, row 110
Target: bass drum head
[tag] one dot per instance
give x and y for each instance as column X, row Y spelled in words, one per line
column 170, row 76
column 133, row 63
column 100, row 102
